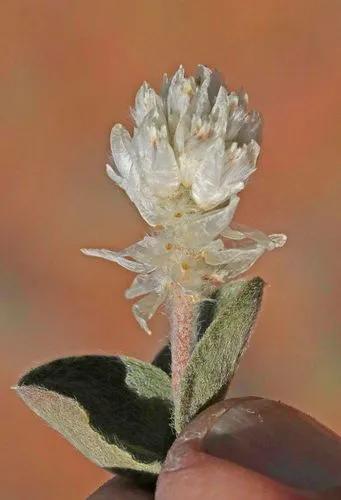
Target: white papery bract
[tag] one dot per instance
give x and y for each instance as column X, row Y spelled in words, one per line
column 189, row 254
column 192, row 148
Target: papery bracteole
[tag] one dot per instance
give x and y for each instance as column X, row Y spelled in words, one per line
column 190, row 256
column 192, row 148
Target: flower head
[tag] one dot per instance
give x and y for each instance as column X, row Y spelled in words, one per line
column 192, row 150
column 193, row 147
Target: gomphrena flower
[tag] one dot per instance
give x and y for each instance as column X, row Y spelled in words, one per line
column 192, row 150
column 193, row 147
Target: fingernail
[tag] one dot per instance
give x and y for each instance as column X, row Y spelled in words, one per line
column 277, row 441
column 184, row 451
column 233, row 430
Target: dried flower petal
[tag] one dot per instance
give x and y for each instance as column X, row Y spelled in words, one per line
column 196, row 144
column 192, row 150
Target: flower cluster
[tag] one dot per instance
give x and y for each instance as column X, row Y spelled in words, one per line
column 193, row 149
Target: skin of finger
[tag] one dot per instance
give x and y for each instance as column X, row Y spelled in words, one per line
column 120, row 489
column 211, row 478
column 190, row 473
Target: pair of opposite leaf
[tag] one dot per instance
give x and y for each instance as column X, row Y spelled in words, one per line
column 119, row 411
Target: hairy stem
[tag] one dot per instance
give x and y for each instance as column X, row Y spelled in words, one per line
column 181, row 310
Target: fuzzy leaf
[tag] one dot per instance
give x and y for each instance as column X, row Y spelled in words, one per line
column 115, row 410
column 217, row 354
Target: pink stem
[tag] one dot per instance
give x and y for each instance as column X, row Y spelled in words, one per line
column 181, row 315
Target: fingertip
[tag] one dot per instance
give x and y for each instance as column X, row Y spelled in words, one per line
column 251, row 444
column 211, row 478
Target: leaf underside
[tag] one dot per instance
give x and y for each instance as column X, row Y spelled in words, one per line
column 217, row 354
column 115, row 410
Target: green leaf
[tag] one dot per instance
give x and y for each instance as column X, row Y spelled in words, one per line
column 217, row 354
column 115, row 410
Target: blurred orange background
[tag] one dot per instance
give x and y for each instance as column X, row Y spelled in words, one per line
column 69, row 70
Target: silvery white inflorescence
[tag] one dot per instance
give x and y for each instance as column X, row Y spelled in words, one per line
column 193, row 147
column 191, row 152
